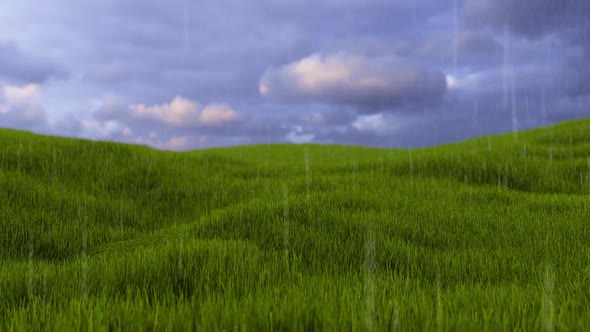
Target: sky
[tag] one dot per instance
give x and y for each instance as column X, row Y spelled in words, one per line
column 191, row 74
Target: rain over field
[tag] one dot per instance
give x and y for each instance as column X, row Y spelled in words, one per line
column 282, row 165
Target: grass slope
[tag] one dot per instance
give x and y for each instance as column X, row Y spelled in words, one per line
column 485, row 235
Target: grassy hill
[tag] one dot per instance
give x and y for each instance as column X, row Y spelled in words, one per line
column 485, row 235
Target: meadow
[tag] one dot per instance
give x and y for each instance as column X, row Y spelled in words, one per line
column 490, row 234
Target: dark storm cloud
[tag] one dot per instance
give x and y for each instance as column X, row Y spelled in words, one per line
column 334, row 117
column 346, row 79
column 199, row 51
column 341, row 17
column 385, row 71
column 469, row 43
column 18, row 66
column 531, row 18
column 203, row 51
column 204, row 46
column 566, row 19
column 469, row 48
column 575, row 75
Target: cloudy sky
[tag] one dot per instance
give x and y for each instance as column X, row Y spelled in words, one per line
column 186, row 74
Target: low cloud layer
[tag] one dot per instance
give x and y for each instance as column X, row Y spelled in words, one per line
column 179, row 113
column 184, row 124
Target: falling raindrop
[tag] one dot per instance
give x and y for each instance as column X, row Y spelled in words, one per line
column 121, row 218
column 439, row 305
column 475, row 110
column 84, row 261
column 548, row 287
column 513, row 105
column 44, row 308
column 54, row 170
column 185, row 33
column 414, row 12
column 409, row 262
column 354, row 169
column 285, row 223
column 543, row 107
column 369, row 283
column 571, row 145
column 180, row 269
column 30, row 266
column 18, row 156
column 527, row 106
column 455, row 33
column 307, row 171
column 411, row 162
column 290, row 41
column 505, row 69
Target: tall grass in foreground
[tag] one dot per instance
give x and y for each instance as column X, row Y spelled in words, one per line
column 485, row 235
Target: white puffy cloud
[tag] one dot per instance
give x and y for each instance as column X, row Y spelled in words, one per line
column 180, row 124
column 216, row 114
column 180, row 112
column 18, row 107
column 377, row 123
column 298, row 136
column 20, row 95
column 342, row 78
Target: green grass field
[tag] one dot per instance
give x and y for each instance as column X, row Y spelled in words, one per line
column 491, row 234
